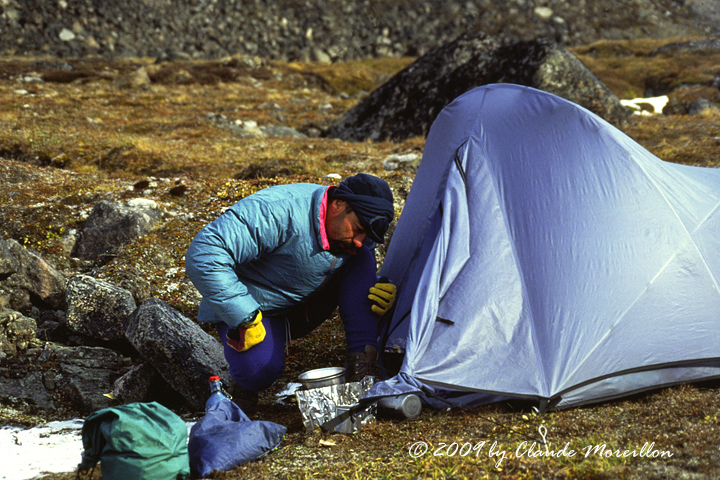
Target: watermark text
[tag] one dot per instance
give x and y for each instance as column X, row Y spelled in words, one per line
column 532, row 449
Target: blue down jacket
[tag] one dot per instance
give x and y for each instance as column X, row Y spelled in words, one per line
column 264, row 252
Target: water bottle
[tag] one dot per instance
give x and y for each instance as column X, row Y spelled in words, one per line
column 400, row 407
column 217, row 392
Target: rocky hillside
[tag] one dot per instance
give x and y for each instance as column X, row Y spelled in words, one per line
column 320, row 30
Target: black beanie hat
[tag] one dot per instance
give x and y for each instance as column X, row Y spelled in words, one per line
column 371, row 199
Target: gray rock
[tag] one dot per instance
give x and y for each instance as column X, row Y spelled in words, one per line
column 133, row 280
column 33, row 281
column 111, row 225
column 87, row 376
column 86, row 357
column 244, row 129
column 96, row 308
column 12, row 297
column 708, row 45
column 52, row 326
column 8, row 263
column 280, row 131
column 321, row 56
column 66, row 35
column 30, row 388
column 137, row 79
column 692, row 100
column 69, row 239
column 183, row 354
column 563, row 74
column 402, row 162
column 16, row 332
column 134, row 385
column 704, row 108
column 250, row 128
column 77, row 377
column 407, row 104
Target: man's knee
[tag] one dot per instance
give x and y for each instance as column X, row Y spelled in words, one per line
column 260, row 365
column 256, row 375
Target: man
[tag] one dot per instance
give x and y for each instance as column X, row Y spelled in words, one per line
column 276, row 264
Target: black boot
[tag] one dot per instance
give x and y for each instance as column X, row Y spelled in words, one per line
column 362, row 364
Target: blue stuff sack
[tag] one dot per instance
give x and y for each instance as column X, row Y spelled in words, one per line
column 139, row 441
column 226, row 438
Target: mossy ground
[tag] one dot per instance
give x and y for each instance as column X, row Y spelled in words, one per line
column 73, row 140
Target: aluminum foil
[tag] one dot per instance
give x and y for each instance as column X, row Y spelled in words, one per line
column 320, row 405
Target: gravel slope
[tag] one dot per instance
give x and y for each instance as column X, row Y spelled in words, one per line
column 324, row 31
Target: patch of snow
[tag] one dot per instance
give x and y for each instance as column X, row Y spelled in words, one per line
column 288, row 394
column 54, row 447
column 289, row 389
column 142, row 202
column 656, row 103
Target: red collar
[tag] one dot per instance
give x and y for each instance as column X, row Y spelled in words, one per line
column 323, row 215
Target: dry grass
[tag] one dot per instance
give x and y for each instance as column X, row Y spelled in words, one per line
column 70, row 142
column 629, row 70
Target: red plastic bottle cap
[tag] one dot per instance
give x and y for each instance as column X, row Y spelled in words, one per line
column 214, row 378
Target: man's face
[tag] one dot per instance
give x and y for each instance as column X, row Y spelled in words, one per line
column 344, row 230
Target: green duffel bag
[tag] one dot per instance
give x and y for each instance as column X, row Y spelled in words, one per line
column 139, row 441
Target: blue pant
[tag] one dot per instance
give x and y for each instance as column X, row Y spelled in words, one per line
column 259, row 366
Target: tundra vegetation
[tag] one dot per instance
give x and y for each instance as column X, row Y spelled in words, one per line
column 173, row 132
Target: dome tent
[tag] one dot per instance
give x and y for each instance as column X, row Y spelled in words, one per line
column 543, row 254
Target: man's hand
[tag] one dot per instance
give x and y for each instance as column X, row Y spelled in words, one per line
column 383, row 296
column 247, row 334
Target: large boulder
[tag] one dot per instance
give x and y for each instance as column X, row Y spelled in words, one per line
column 26, row 279
column 183, row 354
column 80, row 378
column 112, row 225
column 97, row 309
column 407, row 104
column 30, row 389
column 143, row 383
column 87, row 375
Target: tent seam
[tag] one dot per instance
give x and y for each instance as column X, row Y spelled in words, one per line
column 692, row 235
column 659, row 272
column 437, row 204
column 502, row 204
column 697, row 362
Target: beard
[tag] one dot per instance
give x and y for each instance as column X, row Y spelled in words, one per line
column 341, row 246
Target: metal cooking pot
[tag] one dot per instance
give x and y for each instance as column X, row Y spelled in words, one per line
column 322, row 377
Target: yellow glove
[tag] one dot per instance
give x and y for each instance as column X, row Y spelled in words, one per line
column 247, row 335
column 383, row 297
